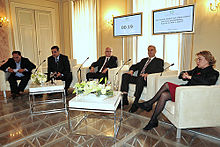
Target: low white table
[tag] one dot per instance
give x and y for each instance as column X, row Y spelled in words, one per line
column 102, row 104
column 47, row 88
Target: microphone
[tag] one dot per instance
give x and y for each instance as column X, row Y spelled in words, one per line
column 166, row 68
column 116, row 81
column 39, row 66
column 82, row 64
column 79, row 70
column 123, row 66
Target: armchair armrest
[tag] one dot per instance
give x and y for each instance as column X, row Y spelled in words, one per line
column 84, row 70
column 74, row 70
column 197, row 106
column 2, row 81
column 112, row 77
column 160, row 80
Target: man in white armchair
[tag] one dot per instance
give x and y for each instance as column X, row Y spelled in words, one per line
column 20, row 69
column 146, row 66
column 103, row 63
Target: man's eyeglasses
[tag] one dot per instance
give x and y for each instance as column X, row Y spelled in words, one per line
column 108, row 51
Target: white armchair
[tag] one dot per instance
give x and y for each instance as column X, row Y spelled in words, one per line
column 148, row 91
column 4, row 84
column 194, row 106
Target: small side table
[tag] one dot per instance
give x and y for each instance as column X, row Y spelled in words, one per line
column 46, row 89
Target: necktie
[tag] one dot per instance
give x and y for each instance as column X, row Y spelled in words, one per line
column 56, row 60
column 104, row 65
column 145, row 66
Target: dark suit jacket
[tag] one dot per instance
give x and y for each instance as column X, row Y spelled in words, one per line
column 155, row 66
column 206, row 76
column 25, row 63
column 112, row 62
column 63, row 65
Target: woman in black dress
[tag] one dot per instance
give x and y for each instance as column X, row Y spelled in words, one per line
column 202, row 74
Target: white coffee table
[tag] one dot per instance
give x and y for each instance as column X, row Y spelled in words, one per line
column 98, row 104
column 47, row 88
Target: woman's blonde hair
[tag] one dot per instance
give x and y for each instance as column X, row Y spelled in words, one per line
column 208, row 56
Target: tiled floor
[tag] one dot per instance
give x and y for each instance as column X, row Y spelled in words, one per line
column 19, row 128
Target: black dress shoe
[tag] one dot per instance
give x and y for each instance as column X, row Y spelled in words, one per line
column 134, row 108
column 125, row 102
column 152, row 124
column 13, row 96
column 145, row 106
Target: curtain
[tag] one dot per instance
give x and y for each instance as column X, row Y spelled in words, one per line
column 84, row 31
column 186, row 57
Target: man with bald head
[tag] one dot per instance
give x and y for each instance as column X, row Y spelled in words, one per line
column 146, row 66
column 103, row 63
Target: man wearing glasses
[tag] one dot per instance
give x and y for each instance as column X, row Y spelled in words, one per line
column 59, row 67
column 103, row 63
column 20, row 69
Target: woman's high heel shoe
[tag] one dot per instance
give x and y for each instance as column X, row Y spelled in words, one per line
column 152, row 124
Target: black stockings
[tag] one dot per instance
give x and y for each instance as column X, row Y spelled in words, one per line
column 162, row 96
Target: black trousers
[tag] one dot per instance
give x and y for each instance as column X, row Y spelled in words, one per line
column 67, row 77
column 15, row 88
column 139, row 81
column 97, row 75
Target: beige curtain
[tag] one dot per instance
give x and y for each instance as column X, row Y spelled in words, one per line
column 186, row 57
column 84, row 31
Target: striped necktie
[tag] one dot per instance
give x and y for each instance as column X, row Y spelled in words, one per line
column 104, row 65
column 145, row 66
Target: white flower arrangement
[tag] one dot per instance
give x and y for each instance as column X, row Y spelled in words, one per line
column 95, row 87
column 38, row 78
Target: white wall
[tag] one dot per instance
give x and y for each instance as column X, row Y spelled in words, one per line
column 207, row 31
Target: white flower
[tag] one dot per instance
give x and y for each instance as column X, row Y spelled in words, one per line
column 103, row 91
column 38, row 78
column 108, row 87
column 101, row 86
column 94, row 87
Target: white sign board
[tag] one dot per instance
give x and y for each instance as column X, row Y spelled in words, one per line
column 127, row 25
column 173, row 20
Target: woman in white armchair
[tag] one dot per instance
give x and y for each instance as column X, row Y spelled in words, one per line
column 202, row 74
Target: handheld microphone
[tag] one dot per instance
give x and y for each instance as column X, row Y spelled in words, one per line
column 79, row 71
column 123, row 66
column 39, row 66
column 166, row 68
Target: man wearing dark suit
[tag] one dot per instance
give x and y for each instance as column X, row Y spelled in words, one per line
column 20, row 69
column 146, row 66
column 59, row 66
column 103, row 63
